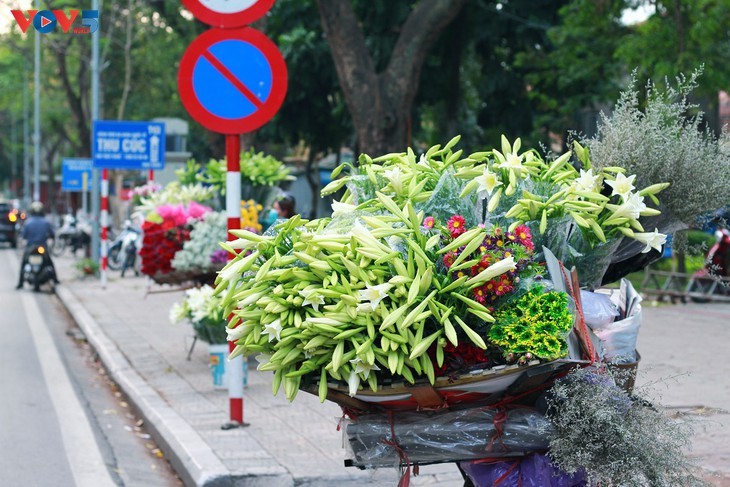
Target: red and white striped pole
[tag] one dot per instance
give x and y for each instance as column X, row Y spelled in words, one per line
column 104, row 217
column 234, row 367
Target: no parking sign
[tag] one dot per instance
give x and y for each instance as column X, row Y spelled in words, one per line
column 232, row 81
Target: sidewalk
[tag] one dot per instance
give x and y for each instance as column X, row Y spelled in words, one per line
column 298, row 444
column 285, row 444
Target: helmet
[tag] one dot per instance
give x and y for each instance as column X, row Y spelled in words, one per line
column 36, row 208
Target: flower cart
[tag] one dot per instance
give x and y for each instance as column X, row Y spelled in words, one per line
column 441, row 307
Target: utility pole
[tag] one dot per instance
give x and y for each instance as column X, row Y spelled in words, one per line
column 37, row 115
column 13, row 154
column 26, row 149
column 95, row 179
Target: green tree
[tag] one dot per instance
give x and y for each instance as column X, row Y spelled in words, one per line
column 380, row 83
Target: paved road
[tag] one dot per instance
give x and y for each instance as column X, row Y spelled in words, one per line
column 60, row 423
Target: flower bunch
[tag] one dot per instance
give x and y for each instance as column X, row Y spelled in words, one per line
column 535, row 323
column 203, row 309
column 250, row 216
column 259, row 169
column 165, row 230
column 556, row 189
column 160, row 243
column 144, row 191
column 205, row 234
column 495, row 246
column 346, row 304
column 174, row 194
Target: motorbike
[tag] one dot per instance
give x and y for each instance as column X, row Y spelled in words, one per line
column 73, row 235
column 38, row 269
column 714, row 278
column 123, row 250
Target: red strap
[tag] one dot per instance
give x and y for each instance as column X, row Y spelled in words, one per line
column 504, row 476
column 582, row 328
column 405, row 479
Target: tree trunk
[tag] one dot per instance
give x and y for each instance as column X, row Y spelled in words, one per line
column 380, row 103
column 312, row 175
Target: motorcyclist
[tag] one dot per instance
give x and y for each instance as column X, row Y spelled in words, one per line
column 36, row 231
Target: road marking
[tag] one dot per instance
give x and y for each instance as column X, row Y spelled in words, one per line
column 84, row 458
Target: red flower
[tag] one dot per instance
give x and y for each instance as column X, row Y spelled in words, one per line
column 523, row 234
column 456, row 225
column 449, row 259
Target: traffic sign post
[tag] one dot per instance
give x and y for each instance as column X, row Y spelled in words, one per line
column 128, row 145
column 232, row 80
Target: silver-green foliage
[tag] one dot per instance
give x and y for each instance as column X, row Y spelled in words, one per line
column 662, row 142
column 617, row 439
column 204, row 238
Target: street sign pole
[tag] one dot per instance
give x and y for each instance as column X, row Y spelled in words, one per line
column 95, row 210
column 232, row 80
column 37, row 115
column 234, row 370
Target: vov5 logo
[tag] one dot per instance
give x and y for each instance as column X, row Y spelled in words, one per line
column 45, row 21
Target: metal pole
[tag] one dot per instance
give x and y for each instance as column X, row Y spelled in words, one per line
column 37, row 115
column 13, row 155
column 95, row 183
column 26, row 136
column 234, row 367
column 104, row 224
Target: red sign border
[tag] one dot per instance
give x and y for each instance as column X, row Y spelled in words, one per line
column 228, row 21
column 225, row 125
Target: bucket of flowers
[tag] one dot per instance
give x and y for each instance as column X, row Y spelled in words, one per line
column 203, row 311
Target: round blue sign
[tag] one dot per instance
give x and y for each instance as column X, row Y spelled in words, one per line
column 232, row 81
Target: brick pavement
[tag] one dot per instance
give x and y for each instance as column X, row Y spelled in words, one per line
column 683, row 348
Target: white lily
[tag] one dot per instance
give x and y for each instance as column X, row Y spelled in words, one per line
column 353, row 381
column 262, row 359
column 622, row 185
column 652, row 240
column 273, row 329
column 488, row 181
column 339, row 208
column 365, row 307
column 235, row 334
column 233, row 269
column 375, row 294
column 363, row 367
column 513, row 161
column 313, row 300
column 423, row 161
column 587, row 181
column 632, row 207
column 395, row 176
column 177, row 313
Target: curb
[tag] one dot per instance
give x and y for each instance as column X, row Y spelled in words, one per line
column 190, row 456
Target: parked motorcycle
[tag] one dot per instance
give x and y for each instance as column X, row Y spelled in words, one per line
column 123, row 250
column 73, row 234
column 38, row 270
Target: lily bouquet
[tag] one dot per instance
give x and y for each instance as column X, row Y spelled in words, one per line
column 395, row 284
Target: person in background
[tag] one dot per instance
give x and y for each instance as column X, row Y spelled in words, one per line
column 285, row 206
column 282, row 207
column 36, row 231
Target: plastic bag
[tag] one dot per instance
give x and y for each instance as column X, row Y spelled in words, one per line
column 598, row 309
column 532, row 471
column 378, row 440
column 619, row 337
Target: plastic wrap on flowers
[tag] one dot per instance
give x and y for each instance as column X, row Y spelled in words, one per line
column 591, row 262
column 535, row 470
column 379, row 440
column 445, row 201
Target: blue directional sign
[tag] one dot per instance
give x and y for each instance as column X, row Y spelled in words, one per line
column 75, row 174
column 129, row 145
